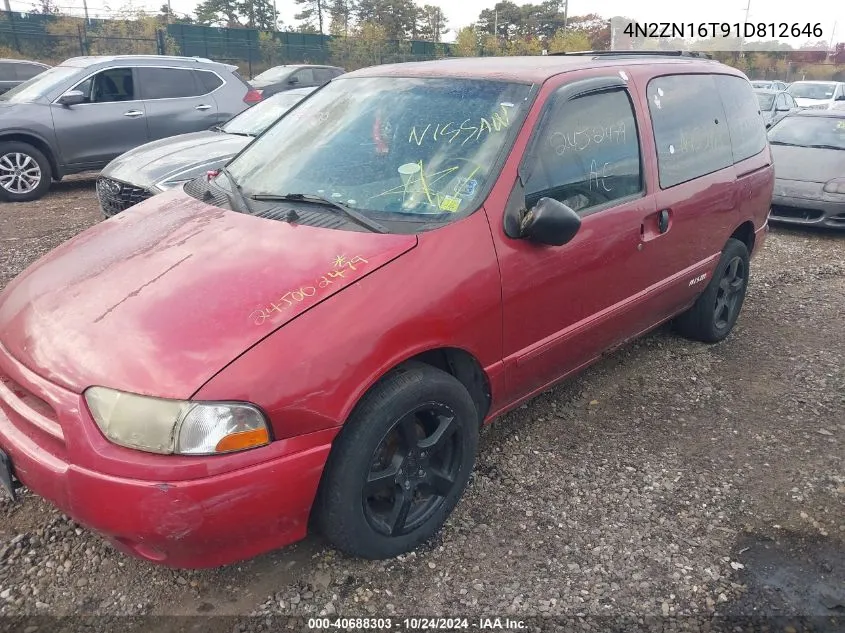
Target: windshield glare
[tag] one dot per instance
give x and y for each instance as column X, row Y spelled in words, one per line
column 808, row 131
column 765, row 100
column 253, row 121
column 40, row 85
column 411, row 148
column 812, row 91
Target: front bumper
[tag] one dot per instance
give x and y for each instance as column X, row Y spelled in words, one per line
column 822, row 213
column 181, row 512
column 115, row 196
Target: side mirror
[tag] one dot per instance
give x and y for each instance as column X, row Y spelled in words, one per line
column 72, row 97
column 550, row 222
column 840, row 97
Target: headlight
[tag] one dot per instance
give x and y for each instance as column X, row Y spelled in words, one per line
column 837, row 185
column 183, row 427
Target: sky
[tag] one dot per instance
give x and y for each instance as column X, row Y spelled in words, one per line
column 463, row 12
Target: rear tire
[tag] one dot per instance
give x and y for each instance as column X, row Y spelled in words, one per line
column 714, row 314
column 400, row 465
column 25, row 173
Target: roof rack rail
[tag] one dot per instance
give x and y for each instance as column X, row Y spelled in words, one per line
column 695, row 54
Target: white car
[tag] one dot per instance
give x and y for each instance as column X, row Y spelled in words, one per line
column 818, row 95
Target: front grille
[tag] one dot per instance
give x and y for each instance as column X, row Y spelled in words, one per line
column 116, row 196
column 795, row 213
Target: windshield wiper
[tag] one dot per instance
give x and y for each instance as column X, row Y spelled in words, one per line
column 823, row 146
column 237, row 133
column 784, row 143
column 349, row 212
column 237, row 194
column 215, row 128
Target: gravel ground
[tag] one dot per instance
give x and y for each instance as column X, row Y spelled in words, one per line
column 671, row 479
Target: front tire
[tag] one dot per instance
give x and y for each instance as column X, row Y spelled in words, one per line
column 714, row 314
column 25, row 172
column 400, row 465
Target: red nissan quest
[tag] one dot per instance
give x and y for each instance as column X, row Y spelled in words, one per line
column 315, row 334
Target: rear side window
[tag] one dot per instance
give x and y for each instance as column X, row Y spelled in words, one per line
column 690, row 128
column 305, row 76
column 322, row 75
column 208, row 81
column 7, row 72
column 746, row 126
column 587, row 152
column 167, row 83
column 28, row 71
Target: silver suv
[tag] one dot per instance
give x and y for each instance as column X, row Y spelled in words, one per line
column 83, row 113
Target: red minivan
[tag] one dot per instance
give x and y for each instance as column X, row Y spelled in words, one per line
column 317, row 332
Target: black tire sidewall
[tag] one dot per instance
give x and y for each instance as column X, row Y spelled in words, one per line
column 734, row 248
column 43, row 163
column 340, row 506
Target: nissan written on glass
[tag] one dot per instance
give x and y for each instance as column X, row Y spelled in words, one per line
column 382, row 151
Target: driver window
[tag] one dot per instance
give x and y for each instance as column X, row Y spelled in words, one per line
column 781, row 103
column 113, row 84
column 587, row 153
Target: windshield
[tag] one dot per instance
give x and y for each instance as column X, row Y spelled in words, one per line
column 411, row 148
column 761, row 84
column 40, row 85
column 274, row 74
column 810, row 131
column 812, row 91
column 765, row 100
column 253, row 121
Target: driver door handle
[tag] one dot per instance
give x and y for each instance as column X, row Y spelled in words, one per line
column 202, row 107
column 133, row 113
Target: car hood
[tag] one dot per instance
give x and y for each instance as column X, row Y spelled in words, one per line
column 151, row 163
column 158, row 301
column 810, row 164
column 803, row 102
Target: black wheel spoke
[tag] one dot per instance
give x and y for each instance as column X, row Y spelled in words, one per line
column 440, row 483
column 401, row 508
column 446, row 427
column 384, row 479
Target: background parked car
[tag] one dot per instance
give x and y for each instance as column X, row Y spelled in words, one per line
column 15, row 71
column 809, row 155
column 765, row 84
column 817, row 95
column 280, row 78
column 83, row 113
column 774, row 105
column 171, row 162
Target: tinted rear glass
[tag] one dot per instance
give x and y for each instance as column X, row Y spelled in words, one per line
column 28, row 71
column 746, row 126
column 7, row 72
column 208, row 80
column 167, row 83
column 690, row 127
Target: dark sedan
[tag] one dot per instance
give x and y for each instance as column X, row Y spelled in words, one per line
column 809, row 155
column 14, row 72
column 281, row 78
column 171, row 162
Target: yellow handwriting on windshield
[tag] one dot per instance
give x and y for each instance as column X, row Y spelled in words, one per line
column 465, row 131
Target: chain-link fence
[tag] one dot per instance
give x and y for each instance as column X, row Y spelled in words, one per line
column 52, row 39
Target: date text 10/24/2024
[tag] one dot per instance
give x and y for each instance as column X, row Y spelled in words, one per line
column 417, row 624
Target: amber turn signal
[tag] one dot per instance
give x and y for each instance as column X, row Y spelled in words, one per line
column 242, row 440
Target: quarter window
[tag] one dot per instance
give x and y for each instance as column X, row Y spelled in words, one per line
column 208, row 80
column 587, row 153
column 746, row 126
column 305, row 77
column 322, row 75
column 690, row 128
column 168, row 83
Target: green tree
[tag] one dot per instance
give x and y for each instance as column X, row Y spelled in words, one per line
column 432, row 23
column 568, row 42
column 219, row 13
column 595, row 27
column 311, row 13
column 341, row 13
column 466, row 42
column 365, row 46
